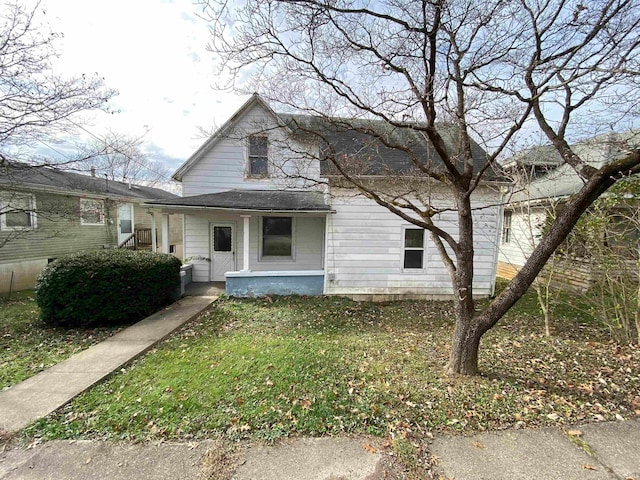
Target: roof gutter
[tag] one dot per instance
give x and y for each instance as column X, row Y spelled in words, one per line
column 232, row 209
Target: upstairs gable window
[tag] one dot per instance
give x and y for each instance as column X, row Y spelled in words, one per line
column 258, row 164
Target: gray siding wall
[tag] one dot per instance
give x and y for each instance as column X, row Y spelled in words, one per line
column 58, row 233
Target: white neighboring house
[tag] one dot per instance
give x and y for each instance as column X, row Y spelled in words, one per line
column 263, row 213
column 542, row 182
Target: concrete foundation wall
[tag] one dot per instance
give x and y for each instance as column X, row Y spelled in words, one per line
column 256, row 284
column 25, row 274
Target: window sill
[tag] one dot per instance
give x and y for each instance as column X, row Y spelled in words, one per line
column 275, row 258
column 414, row 270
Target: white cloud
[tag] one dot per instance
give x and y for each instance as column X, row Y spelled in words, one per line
column 154, row 53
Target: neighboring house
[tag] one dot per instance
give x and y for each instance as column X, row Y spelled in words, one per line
column 46, row 213
column 542, row 182
column 266, row 214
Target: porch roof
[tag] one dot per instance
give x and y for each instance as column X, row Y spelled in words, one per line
column 253, row 200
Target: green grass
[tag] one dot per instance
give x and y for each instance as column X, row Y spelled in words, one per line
column 28, row 346
column 271, row 368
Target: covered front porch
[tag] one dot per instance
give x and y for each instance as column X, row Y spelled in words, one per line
column 259, row 242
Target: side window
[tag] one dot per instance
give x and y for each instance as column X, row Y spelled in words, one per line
column 413, row 254
column 258, row 158
column 17, row 212
column 91, row 212
column 277, row 237
column 506, row 227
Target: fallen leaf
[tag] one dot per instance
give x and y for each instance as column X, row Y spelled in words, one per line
column 479, row 444
column 586, row 466
column 574, row 433
column 305, row 404
column 498, row 396
column 369, row 448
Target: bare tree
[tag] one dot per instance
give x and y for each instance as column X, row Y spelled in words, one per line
column 36, row 103
column 494, row 70
column 37, row 106
column 121, row 157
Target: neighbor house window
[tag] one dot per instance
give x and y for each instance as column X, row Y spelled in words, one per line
column 506, row 227
column 277, row 237
column 413, row 248
column 258, row 166
column 91, row 212
column 17, row 212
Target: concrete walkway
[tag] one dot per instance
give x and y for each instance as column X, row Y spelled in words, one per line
column 49, row 390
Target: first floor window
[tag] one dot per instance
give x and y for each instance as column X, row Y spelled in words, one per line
column 91, row 212
column 17, row 212
column 506, row 227
column 413, row 248
column 277, row 236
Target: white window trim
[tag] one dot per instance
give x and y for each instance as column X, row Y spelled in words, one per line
column 507, row 228
column 247, row 159
column 102, row 216
column 273, row 258
column 403, row 249
column 31, row 207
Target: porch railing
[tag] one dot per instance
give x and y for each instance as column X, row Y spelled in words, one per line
column 139, row 240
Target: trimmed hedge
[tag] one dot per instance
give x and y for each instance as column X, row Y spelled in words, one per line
column 106, row 287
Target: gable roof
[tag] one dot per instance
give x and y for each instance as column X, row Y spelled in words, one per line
column 359, row 140
column 254, row 100
column 374, row 147
column 22, row 175
column 254, row 200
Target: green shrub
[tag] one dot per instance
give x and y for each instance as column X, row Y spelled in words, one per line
column 106, row 287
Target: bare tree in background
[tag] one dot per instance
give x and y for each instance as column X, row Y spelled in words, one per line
column 494, row 69
column 37, row 104
column 37, row 107
column 121, row 157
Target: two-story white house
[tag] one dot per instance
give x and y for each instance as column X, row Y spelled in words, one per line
column 266, row 215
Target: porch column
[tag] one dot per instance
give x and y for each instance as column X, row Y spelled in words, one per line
column 165, row 233
column 154, row 237
column 245, row 242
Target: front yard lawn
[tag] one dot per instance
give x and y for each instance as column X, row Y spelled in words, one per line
column 28, row 346
column 270, row 368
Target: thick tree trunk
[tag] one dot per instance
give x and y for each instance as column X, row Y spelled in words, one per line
column 463, row 358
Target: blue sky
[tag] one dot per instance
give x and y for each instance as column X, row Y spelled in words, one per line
column 154, row 53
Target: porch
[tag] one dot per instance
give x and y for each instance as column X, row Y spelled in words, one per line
column 256, row 242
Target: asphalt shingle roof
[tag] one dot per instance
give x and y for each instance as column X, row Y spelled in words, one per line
column 374, row 147
column 263, row 200
column 23, row 175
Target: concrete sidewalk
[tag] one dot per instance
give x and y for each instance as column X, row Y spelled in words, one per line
column 536, row 454
column 608, row 450
column 47, row 391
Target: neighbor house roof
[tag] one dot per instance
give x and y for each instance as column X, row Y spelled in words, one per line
column 254, row 200
column 22, row 175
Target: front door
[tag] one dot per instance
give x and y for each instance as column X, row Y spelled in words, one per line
column 222, row 251
column 125, row 222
